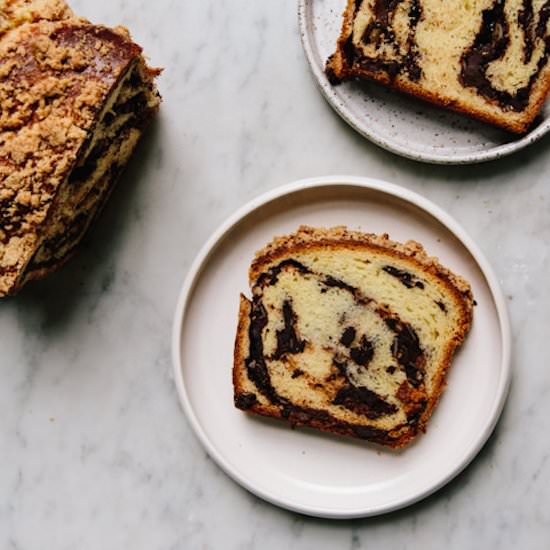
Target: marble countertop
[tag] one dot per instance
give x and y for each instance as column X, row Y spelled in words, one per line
column 95, row 450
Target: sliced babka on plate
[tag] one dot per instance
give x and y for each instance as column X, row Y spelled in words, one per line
column 487, row 58
column 349, row 333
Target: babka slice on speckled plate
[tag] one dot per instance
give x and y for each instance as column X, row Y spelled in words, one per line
column 349, row 333
column 486, row 58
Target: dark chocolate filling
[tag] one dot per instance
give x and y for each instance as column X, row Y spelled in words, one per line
column 411, row 60
column 363, row 353
column 341, row 366
column 525, row 21
column 82, row 173
column 245, row 400
column 491, row 43
column 363, row 401
column 255, row 362
column 406, row 278
column 348, row 336
column 544, row 15
column 379, row 32
column 137, row 104
column 287, row 339
column 331, row 282
column 407, row 351
column 414, row 415
column 270, row 277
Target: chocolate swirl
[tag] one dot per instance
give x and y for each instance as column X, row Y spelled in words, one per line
column 491, row 44
column 352, row 351
column 380, row 32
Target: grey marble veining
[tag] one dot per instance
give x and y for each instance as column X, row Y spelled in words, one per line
column 95, row 450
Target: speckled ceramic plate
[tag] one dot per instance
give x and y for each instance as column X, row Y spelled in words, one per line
column 305, row 470
column 397, row 122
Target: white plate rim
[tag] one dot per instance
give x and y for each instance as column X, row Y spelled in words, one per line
column 395, row 191
column 469, row 158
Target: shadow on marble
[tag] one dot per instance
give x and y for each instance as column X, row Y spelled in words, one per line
column 50, row 304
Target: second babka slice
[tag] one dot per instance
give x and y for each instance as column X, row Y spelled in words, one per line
column 349, row 333
column 489, row 59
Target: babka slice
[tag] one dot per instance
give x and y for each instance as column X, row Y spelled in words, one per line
column 75, row 99
column 349, row 333
column 486, row 58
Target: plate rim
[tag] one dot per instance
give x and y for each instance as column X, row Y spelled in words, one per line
column 331, row 97
column 365, row 183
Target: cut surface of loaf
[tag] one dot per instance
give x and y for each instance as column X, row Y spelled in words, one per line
column 349, row 333
column 75, row 98
column 486, row 58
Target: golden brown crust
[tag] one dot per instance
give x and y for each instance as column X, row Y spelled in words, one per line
column 333, row 426
column 53, row 79
column 515, row 126
column 337, row 70
column 14, row 13
column 239, row 353
column 309, row 238
column 336, row 66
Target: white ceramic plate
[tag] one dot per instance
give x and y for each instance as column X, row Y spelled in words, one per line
column 302, row 469
column 394, row 121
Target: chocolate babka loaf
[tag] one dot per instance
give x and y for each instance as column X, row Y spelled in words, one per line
column 486, row 58
column 349, row 333
column 75, row 98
